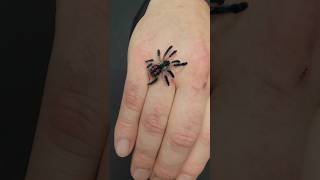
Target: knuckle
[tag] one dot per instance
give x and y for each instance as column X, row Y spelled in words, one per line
column 153, row 122
column 125, row 127
column 125, row 124
column 187, row 134
column 182, row 139
column 153, row 125
column 132, row 99
column 163, row 172
column 143, row 159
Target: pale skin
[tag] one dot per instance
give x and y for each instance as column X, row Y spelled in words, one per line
column 168, row 127
column 279, row 137
column 71, row 138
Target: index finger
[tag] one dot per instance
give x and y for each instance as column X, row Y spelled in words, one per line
column 133, row 98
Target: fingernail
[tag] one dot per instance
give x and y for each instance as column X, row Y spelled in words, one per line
column 184, row 177
column 141, row 174
column 123, row 148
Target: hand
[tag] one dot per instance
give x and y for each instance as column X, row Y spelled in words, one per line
column 169, row 126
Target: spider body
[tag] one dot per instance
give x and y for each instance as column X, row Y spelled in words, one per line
column 163, row 67
column 156, row 69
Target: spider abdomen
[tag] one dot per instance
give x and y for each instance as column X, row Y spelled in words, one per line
column 155, row 70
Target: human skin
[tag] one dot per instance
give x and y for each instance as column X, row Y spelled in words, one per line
column 266, row 92
column 168, row 127
column 73, row 124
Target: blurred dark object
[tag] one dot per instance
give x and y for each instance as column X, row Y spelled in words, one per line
column 218, row 7
column 27, row 33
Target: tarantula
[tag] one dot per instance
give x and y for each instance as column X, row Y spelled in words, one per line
column 164, row 66
column 221, row 8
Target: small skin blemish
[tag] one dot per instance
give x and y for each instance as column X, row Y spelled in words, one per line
column 204, row 85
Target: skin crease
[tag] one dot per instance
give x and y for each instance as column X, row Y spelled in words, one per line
column 266, row 65
column 276, row 139
column 185, row 25
column 73, row 127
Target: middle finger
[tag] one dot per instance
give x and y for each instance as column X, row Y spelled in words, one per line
column 152, row 126
column 184, row 126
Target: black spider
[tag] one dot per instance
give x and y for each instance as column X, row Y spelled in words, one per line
column 164, row 66
column 220, row 8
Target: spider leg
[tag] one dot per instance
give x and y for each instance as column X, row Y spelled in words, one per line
column 153, row 81
column 167, row 51
column 150, row 60
column 159, row 54
column 173, row 53
column 175, row 61
column 149, row 65
column 181, row 64
column 167, row 80
column 171, row 73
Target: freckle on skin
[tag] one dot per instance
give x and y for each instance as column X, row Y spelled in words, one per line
column 204, row 85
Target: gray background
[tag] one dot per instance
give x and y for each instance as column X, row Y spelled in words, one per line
column 122, row 16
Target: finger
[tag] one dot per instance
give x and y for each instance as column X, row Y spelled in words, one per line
column 200, row 154
column 183, row 128
column 134, row 94
column 152, row 126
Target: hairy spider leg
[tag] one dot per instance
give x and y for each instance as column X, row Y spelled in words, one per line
column 171, row 73
column 149, row 65
column 153, row 81
column 167, row 80
column 173, row 53
column 175, row 61
column 159, row 54
column 181, row 64
column 166, row 53
column 150, row 60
